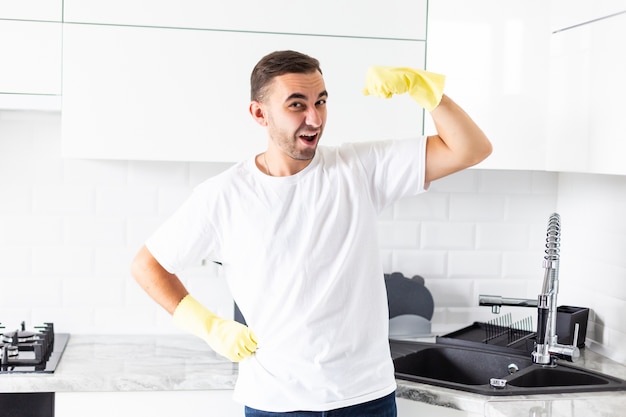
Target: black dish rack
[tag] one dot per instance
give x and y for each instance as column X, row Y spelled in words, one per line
column 499, row 334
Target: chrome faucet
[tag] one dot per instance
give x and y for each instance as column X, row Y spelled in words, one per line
column 495, row 302
column 547, row 348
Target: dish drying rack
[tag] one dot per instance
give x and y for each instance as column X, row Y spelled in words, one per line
column 500, row 333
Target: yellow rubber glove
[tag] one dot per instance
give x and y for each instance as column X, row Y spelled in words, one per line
column 227, row 337
column 424, row 87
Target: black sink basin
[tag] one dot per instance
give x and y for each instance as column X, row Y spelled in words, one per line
column 557, row 377
column 461, row 366
column 492, row 372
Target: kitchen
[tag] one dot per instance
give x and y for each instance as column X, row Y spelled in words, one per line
column 69, row 226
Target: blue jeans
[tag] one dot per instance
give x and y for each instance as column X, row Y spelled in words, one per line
column 382, row 407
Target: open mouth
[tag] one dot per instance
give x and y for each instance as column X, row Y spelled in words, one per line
column 308, row 137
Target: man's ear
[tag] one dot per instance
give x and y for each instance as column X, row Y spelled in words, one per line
column 258, row 113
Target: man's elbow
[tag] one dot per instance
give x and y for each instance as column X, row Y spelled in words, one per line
column 140, row 264
column 480, row 151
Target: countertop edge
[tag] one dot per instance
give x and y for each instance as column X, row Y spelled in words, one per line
column 122, row 363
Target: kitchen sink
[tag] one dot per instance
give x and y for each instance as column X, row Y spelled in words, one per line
column 489, row 372
column 557, row 377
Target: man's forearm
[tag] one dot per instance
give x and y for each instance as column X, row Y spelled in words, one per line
column 165, row 288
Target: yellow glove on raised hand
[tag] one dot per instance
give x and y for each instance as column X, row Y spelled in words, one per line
column 424, row 87
column 227, row 337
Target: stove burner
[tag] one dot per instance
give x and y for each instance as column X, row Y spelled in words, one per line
column 27, row 351
column 12, row 351
column 22, row 337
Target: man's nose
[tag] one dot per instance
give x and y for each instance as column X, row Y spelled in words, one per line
column 313, row 117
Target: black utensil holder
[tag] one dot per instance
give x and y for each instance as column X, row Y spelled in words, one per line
column 566, row 319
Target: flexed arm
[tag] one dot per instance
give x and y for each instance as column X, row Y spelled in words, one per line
column 459, row 142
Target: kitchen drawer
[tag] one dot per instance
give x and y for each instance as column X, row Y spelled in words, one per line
column 148, row 403
column 411, row 408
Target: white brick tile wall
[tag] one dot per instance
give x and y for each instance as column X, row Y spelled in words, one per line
column 150, row 174
column 427, row 263
column 467, row 182
column 123, row 201
column 69, row 229
column 448, row 235
column 62, row 261
column 431, row 206
column 139, row 228
column 15, row 198
column 474, row 264
column 399, row 234
column 64, row 199
column 15, row 261
column 502, row 236
column 94, row 172
column 530, row 206
column 477, row 207
column 25, row 292
column 88, row 292
column 455, row 292
column 523, row 265
column 170, row 198
column 30, row 229
column 505, row 182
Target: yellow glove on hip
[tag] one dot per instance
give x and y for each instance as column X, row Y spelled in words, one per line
column 424, row 87
column 227, row 337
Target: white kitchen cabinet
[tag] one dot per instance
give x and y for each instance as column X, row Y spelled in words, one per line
column 193, row 404
column 410, row 408
column 398, row 19
column 147, row 403
column 42, row 10
column 171, row 94
column 587, row 107
column 30, row 47
column 31, row 62
column 495, row 56
column 568, row 13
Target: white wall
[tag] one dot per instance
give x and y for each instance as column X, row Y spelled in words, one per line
column 593, row 255
column 69, row 228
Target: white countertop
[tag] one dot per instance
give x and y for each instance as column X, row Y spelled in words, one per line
column 130, row 363
column 169, row 363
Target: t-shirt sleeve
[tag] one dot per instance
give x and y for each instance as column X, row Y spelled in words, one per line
column 394, row 168
column 186, row 237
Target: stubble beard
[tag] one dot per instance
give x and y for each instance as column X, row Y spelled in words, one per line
column 288, row 144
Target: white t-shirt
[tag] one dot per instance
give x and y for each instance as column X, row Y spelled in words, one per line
column 302, row 261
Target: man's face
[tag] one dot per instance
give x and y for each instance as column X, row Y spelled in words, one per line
column 295, row 113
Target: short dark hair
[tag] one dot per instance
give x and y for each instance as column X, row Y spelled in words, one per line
column 279, row 63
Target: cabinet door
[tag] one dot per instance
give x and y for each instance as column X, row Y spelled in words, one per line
column 588, row 127
column 147, row 403
column 568, row 13
column 31, row 57
column 46, row 10
column 412, row 408
column 166, row 94
column 495, row 55
column 399, row 19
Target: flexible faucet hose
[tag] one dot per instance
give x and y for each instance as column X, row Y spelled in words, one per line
column 547, row 298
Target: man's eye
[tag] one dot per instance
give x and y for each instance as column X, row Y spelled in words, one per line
column 321, row 102
column 296, row 105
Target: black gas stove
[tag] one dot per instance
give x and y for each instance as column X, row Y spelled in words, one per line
column 31, row 351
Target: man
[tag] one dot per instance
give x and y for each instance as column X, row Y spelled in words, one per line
column 295, row 231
